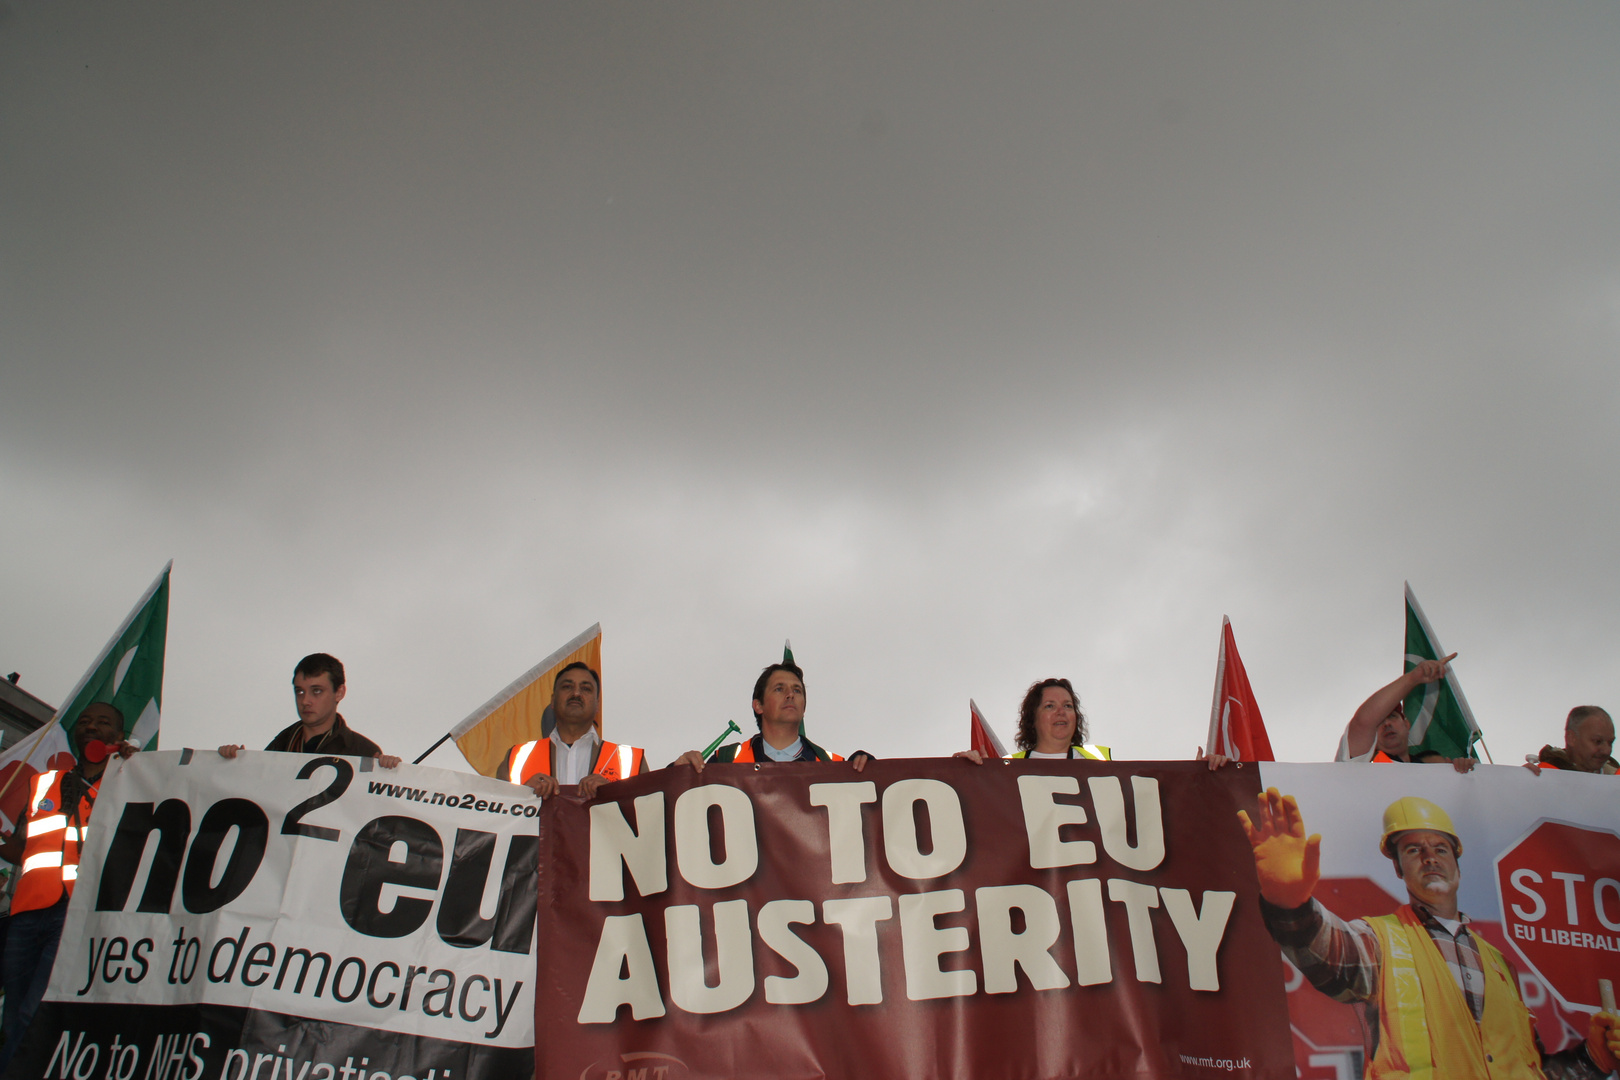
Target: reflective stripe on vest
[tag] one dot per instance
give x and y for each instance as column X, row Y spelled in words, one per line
column 1091, row 751
column 520, row 759
column 41, row 859
column 42, row 825
column 614, row 761
column 42, row 785
column 1425, row 1027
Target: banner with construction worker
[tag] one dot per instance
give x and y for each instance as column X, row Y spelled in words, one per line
column 928, row 918
column 1442, row 923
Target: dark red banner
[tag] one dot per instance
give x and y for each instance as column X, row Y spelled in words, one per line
column 923, row 918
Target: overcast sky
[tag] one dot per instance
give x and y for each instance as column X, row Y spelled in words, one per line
column 964, row 345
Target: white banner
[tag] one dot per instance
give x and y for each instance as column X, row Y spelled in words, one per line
column 312, row 910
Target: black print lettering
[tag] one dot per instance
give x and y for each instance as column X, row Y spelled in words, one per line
column 292, row 824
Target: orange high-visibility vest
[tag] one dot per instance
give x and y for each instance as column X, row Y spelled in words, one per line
column 1381, row 757
column 50, row 862
column 613, row 761
column 745, row 752
column 1425, row 1029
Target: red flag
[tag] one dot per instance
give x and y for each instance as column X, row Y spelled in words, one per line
column 1235, row 727
column 981, row 736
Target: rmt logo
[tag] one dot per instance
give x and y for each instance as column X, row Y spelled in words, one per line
column 638, row 1065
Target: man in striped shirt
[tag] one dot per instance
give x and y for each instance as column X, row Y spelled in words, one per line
column 1439, row 1000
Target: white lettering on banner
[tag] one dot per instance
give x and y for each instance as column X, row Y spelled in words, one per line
column 858, row 917
column 624, row 971
column 274, row 882
column 1091, row 961
column 1605, row 894
column 1138, row 899
column 1571, row 912
column 1597, row 901
column 900, row 840
column 1109, row 801
column 1578, row 939
column 236, row 1065
column 733, row 948
column 623, row 946
column 810, row 983
column 845, row 836
column 922, row 943
column 1518, row 879
column 1045, row 817
column 694, row 843
column 640, row 849
column 1004, row 951
column 1201, row 932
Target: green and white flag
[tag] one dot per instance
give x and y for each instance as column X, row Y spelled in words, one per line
column 1441, row 720
column 128, row 674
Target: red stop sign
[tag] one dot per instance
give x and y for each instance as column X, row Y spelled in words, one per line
column 1560, row 892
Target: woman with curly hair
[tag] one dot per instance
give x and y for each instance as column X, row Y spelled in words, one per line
column 1050, row 725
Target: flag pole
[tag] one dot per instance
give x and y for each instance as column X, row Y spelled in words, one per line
column 1214, row 740
column 425, row 753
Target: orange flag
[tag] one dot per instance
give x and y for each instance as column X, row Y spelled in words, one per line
column 522, row 711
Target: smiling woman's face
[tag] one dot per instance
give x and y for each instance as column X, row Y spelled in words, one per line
column 1055, row 721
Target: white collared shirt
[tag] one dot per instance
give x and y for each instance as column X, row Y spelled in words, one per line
column 573, row 763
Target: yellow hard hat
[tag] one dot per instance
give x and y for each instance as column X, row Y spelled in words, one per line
column 1411, row 812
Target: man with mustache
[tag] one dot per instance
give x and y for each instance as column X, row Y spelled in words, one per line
column 1440, row 1000
column 573, row 753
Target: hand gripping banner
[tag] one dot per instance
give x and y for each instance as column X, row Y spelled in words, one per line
column 294, row 917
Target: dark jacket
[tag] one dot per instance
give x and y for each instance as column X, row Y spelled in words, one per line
column 1558, row 758
column 340, row 738
column 809, row 751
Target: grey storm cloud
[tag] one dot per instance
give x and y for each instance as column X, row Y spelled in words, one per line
column 964, row 346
